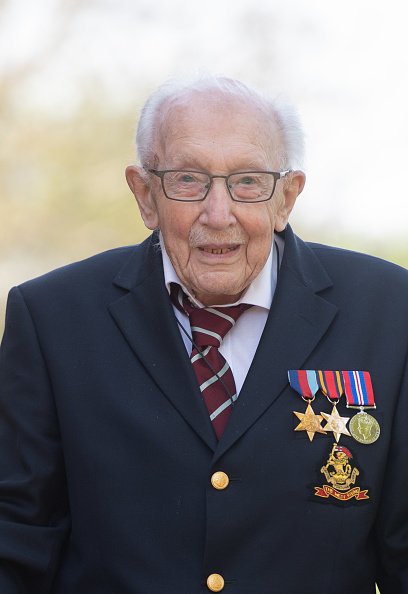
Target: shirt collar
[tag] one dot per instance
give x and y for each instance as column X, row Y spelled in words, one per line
column 260, row 292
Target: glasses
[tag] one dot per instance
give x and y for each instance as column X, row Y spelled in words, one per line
column 193, row 186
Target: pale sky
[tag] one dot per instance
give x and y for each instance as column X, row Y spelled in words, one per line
column 345, row 66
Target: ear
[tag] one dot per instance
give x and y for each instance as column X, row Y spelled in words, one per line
column 291, row 190
column 138, row 182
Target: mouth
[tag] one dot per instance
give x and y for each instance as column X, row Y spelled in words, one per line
column 218, row 250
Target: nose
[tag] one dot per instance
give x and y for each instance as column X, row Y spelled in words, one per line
column 218, row 207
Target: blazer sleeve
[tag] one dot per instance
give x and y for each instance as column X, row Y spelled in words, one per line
column 34, row 516
column 392, row 522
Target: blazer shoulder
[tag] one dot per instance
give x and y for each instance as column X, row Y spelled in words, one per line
column 89, row 272
column 352, row 263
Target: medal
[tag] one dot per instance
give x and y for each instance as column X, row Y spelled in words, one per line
column 335, row 423
column 304, row 383
column 330, row 383
column 309, row 422
column 364, row 428
column 360, row 394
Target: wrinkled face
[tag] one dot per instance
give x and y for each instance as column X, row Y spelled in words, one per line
column 217, row 246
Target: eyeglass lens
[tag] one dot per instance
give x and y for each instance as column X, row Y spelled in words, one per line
column 191, row 185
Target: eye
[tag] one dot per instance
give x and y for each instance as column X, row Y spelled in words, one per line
column 186, row 178
column 246, row 180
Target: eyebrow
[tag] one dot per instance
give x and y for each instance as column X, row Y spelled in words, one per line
column 180, row 162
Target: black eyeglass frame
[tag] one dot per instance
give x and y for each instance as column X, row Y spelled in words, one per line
column 277, row 175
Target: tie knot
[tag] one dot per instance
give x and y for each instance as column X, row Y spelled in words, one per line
column 209, row 325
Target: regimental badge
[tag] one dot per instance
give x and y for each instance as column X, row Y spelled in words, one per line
column 341, row 476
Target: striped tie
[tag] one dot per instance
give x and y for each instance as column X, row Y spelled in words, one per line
column 209, row 325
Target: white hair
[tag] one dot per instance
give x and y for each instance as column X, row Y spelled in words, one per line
column 282, row 115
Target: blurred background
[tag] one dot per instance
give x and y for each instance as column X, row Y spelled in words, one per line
column 74, row 74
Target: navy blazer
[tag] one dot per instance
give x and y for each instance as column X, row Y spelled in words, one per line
column 106, row 448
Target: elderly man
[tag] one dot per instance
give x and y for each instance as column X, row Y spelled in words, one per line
column 148, row 438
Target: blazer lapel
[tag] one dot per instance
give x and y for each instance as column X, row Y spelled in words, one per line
column 298, row 319
column 146, row 319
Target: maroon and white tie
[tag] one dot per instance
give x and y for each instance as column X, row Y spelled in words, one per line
column 209, row 325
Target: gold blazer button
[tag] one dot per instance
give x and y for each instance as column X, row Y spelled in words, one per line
column 220, row 480
column 215, row 582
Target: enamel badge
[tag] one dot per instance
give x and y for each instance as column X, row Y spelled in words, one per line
column 341, row 475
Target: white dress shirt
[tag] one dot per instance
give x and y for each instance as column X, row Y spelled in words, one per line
column 240, row 343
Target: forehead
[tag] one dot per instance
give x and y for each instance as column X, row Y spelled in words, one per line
column 216, row 126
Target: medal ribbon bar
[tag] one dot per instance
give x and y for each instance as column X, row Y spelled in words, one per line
column 331, row 384
column 304, row 382
column 358, row 389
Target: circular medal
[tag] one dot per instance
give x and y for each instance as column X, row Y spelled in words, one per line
column 364, row 428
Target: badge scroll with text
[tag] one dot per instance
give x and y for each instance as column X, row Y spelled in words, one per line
column 331, row 385
column 304, row 382
column 359, row 394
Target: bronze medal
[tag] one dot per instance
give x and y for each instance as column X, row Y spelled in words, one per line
column 305, row 383
column 309, row 422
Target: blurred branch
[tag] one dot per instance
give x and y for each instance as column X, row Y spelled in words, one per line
column 13, row 75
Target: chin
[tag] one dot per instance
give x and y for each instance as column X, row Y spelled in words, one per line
column 218, row 295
